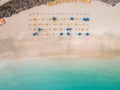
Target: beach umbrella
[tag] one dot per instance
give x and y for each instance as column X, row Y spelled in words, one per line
column 15, row 6
column 2, row 21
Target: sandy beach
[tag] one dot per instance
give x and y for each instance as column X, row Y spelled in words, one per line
column 3, row 1
column 17, row 42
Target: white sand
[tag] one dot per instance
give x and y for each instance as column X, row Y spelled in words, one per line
column 3, row 1
column 17, row 42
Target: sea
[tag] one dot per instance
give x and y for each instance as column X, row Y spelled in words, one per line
column 60, row 74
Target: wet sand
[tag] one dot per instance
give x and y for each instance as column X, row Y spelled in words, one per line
column 17, row 42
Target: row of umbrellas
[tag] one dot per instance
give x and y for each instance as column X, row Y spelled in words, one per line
column 15, row 6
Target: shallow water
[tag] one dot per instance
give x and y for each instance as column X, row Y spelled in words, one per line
column 60, row 74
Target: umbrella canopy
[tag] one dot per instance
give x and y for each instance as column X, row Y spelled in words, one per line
column 2, row 21
column 15, row 6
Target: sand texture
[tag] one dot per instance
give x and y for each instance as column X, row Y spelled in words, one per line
column 16, row 40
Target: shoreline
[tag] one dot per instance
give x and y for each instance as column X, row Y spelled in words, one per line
column 29, row 47
column 16, row 40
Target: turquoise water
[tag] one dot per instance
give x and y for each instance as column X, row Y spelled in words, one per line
column 60, row 74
